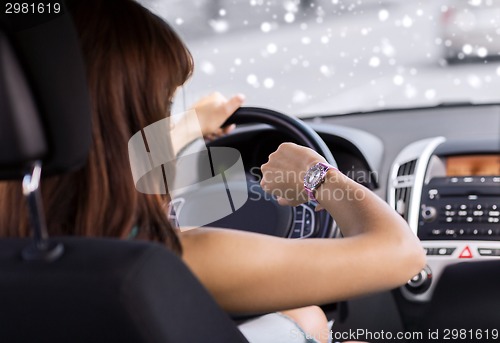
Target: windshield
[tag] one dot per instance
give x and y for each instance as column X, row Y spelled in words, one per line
column 314, row 57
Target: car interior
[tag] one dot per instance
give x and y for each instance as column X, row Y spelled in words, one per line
column 437, row 166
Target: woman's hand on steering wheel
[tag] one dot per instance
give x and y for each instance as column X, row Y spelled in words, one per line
column 213, row 110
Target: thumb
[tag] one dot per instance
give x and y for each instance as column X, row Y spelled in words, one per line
column 234, row 103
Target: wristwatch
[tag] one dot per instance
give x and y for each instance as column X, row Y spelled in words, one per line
column 315, row 176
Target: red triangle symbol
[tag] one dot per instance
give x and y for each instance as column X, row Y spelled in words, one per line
column 466, row 253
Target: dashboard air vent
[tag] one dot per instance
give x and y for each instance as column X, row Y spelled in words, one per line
column 407, row 177
column 402, row 186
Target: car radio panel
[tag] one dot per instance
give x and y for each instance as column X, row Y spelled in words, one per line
column 463, row 208
column 462, row 201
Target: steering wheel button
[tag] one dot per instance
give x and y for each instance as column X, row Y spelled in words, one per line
column 308, row 212
column 308, row 230
column 299, row 212
column 297, row 230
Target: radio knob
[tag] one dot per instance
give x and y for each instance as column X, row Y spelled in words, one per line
column 420, row 282
column 429, row 213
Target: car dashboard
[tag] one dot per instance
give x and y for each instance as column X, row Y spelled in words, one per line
column 439, row 168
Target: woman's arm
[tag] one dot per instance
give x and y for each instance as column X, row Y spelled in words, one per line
column 249, row 272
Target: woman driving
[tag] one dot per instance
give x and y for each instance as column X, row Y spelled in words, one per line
column 135, row 62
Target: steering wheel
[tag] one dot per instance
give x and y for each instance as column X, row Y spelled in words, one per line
column 261, row 213
column 284, row 123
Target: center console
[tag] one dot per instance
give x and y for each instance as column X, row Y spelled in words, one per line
column 449, row 192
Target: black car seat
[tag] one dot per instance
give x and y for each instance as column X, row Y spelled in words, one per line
column 73, row 289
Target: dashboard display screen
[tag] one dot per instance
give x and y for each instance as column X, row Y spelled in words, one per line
column 473, row 165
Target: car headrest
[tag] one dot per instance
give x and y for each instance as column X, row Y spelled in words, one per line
column 45, row 110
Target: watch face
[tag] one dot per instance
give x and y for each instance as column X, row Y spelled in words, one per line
column 313, row 176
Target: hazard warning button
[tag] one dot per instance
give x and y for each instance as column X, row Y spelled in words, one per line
column 466, row 253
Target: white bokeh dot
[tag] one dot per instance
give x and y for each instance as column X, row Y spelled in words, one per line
column 482, row 52
column 398, row 80
column 265, row 27
column 268, row 83
column 289, row 17
column 467, row 49
column 272, row 48
column 207, row 67
column 374, row 62
column 430, row 94
column 252, row 79
column 383, row 15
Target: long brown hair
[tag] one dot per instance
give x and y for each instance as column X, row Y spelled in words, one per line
column 134, row 62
